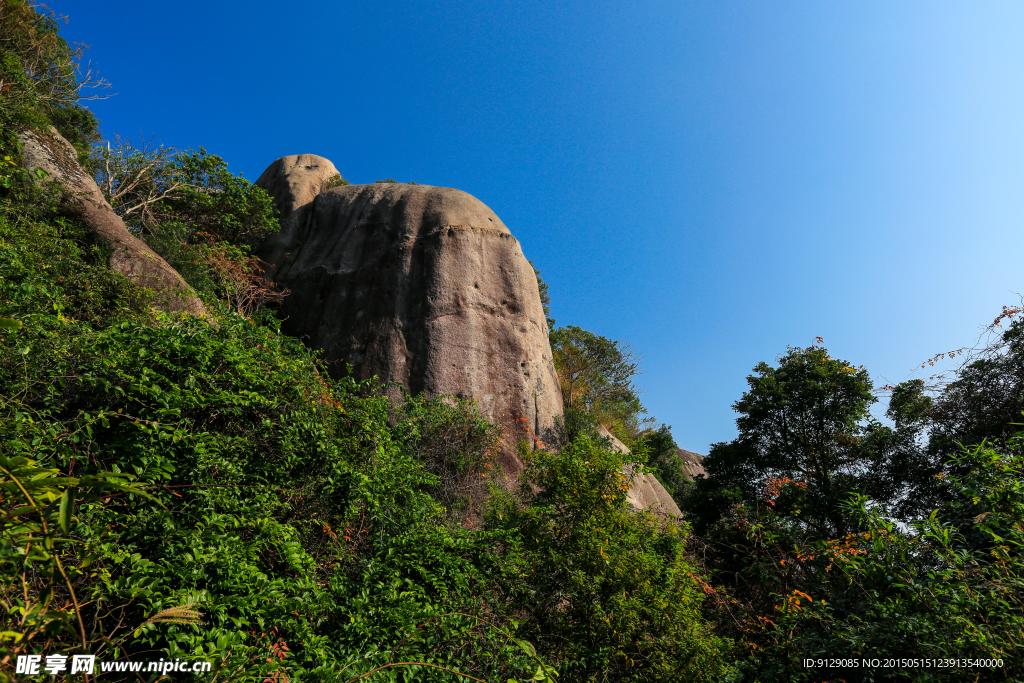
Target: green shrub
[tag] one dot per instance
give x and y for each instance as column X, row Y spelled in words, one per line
column 335, row 180
column 610, row 592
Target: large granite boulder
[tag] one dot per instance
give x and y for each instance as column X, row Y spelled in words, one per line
column 423, row 286
column 51, row 153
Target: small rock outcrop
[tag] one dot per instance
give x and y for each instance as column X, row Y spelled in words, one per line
column 53, row 154
column 419, row 285
column 693, row 463
column 294, row 182
column 645, row 491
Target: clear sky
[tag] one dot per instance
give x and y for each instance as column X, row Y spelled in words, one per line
column 708, row 181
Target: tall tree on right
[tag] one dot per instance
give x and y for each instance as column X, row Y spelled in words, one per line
column 804, row 421
column 985, row 398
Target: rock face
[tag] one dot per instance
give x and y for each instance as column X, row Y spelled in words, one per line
column 419, row 285
column 131, row 257
column 294, row 182
column 693, row 463
column 645, row 491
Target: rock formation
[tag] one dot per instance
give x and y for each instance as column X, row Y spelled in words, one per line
column 55, row 155
column 693, row 463
column 419, row 285
column 645, row 491
column 294, row 182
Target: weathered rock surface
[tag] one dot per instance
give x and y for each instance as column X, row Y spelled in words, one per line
column 419, row 285
column 131, row 257
column 693, row 463
column 645, row 491
column 294, row 182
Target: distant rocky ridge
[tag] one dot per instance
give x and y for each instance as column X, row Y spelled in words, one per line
column 693, row 463
column 419, row 285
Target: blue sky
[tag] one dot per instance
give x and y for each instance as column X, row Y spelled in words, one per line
column 708, row 181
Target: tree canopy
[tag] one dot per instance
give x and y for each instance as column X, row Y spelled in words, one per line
column 803, row 420
column 41, row 78
column 596, row 375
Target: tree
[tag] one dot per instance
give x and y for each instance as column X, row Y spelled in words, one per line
column 802, row 421
column 169, row 197
column 596, row 375
column 980, row 401
column 545, row 297
column 41, row 78
column 985, row 398
column 189, row 208
column 903, row 472
column 609, row 592
column 134, row 177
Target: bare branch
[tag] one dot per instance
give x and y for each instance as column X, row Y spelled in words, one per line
column 989, row 342
column 137, row 176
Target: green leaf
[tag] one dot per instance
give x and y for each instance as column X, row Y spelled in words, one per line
column 67, row 507
column 10, row 324
column 527, row 647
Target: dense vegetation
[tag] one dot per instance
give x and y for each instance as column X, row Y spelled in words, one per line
column 833, row 535
column 199, row 489
column 217, row 470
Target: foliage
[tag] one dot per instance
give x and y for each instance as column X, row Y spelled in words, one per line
column 816, row 521
column 169, row 197
column 955, row 582
column 134, row 177
column 951, row 581
column 456, row 444
column 234, row 276
column 196, row 214
column 335, row 180
column 45, row 561
column 609, row 591
column 41, row 79
column 596, row 375
column 803, row 420
column 288, row 505
column 984, row 399
column 662, row 457
column 219, row 203
column 545, row 297
column 902, row 473
column 573, row 424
